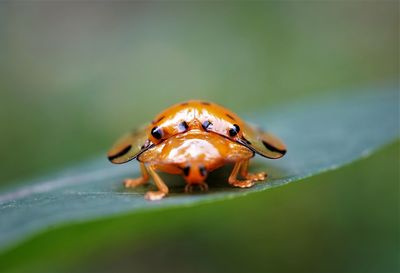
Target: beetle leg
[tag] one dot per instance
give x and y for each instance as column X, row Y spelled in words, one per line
column 162, row 188
column 233, row 180
column 244, row 172
column 188, row 188
column 134, row 182
column 202, row 186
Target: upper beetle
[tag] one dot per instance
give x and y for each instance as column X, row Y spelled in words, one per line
column 192, row 139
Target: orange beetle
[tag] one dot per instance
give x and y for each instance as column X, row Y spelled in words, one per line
column 192, row 139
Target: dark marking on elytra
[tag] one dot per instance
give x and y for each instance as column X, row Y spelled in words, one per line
column 206, row 124
column 157, row 132
column 229, row 116
column 186, row 170
column 160, row 119
column 183, row 126
column 184, row 103
column 120, row 153
column 205, row 103
column 273, row 148
column 234, row 130
column 203, row 171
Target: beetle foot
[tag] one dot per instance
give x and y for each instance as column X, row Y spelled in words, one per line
column 243, row 184
column 256, row 176
column 202, row 186
column 133, row 182
column 154, row 195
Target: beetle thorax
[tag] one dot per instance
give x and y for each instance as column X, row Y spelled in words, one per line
column 182, row 150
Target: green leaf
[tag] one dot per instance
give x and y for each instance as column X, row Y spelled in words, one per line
column 320, row 134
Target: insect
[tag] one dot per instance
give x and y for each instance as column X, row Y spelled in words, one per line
column 193, row 139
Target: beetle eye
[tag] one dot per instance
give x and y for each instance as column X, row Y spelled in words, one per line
column 156, row 132
column 234, row 130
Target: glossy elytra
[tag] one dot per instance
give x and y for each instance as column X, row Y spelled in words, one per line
column 192, row 139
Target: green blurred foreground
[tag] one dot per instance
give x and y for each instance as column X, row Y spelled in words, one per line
column 329, row 223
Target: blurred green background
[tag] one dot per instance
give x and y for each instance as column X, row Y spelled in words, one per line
column 76, row 75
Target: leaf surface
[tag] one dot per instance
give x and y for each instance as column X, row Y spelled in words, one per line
column 320, row 134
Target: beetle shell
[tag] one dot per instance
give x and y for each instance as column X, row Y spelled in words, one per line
column 185, row 116
column 191, row 115
column 192, row 139
column 217, row 119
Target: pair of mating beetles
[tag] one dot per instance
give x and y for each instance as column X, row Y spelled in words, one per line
column 193, row 139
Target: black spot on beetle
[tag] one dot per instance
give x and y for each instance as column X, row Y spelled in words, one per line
column 206, row 124
column 205, row 103
column 120, row 153
column 229, row 116
column 203, row 171
column 183, row 126
column 158, row 120
column 234, row 130
column 273, row 148
column 184, row 103
column 186, row 170
column 157, row 133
